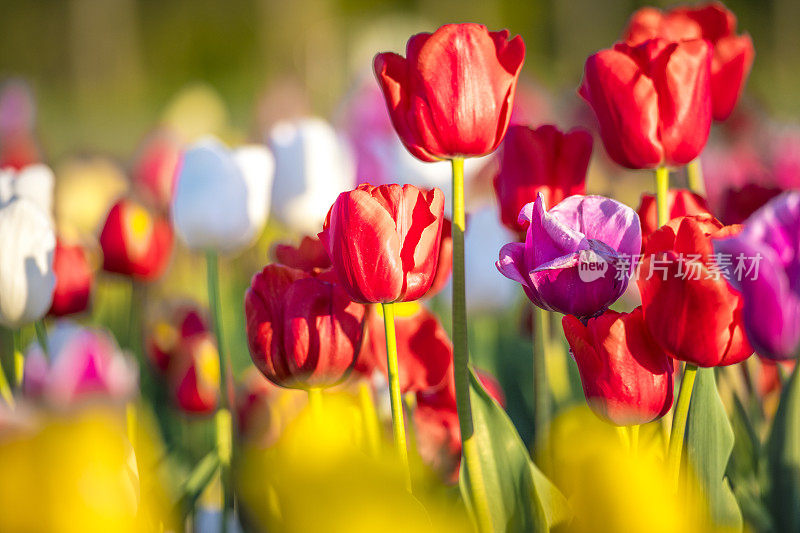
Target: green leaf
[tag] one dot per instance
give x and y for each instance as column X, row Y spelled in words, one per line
column 520, row 497
column 709, row 443
column 783, row 459
column 197, row 481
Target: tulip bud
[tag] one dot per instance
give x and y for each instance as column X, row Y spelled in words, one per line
column 83, row 364
column 312, row 166
column 732, row 54
column 424, row 352
column 194, row 375
column 135, row 243
column 652, row 101
column 27, row 245
column 74, row 280
column 302, row 331
column 384, row 241
column 221, row 196
column 626, row 376
column 168, row 333
column 457, row 68
column 577, row 258
column 771, row 296
column 542, row 160
column 691, row 312
column 680, row 203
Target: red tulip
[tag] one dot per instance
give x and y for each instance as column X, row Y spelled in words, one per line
column 384, row 241
column 444, row 266
column 194, row 375
column 452, row 95
column 540, row 160
column 135, row 243
column 424, row 351
column 308, row 256
column 689, row 307
column 167, row 335
column 303, row 331
column 74, row 280
column 156, row 167
column 626, row 376
column 264, row 409
column 732, row 54
column 436, row 421
column 680, row 203
column 652, row 101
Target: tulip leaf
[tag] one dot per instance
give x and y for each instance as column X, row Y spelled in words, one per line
column 709, row 443
column 783, row 459
column 520, row 497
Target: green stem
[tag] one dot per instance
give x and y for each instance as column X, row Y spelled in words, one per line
column 224, row 424
column 662, row 192
column 541, row 397
column 679, row 424
column 694, row 175
column 480, row 502
column 41, row 335
column 398, row 425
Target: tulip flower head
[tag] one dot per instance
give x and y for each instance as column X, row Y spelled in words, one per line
column 303, row 331
column 193, row 375
column 221, row 197
column 83, row 364
column 577, row 257
column 33, row 182
column 135, row 242
column 772, row 296
column 384, row 241
column 74, row 279
column 540, row 160
column 156, row 166
column 652, row 101
column 309, row 255
column 27, row 242
column 680, row 203
column 312, row 166
column 690, row 309
column 626, row 376
column 452, row 95
column 169, row 332
column 732, row 54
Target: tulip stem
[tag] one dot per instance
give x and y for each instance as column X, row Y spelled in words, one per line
column 371, row 425
column 469, row 450
column 315, row 402
column 541, row 397
column 694, row 176
column 19, row 359
column 679, row 424
column 41, row 336
column 662, row 192
column 398, row 424
column 224, row 425
column 5, row 388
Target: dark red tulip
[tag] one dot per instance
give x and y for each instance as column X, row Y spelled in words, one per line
column 444, row 266
column 384, row 241
column 626, row 376
column 424, row 352
column 688, row 306
column 732, row 54
column 194, row 375
column 135, row 242
column 74, row 279
column 310, row 254
column 538, row 160
column 452, row 95
column 680, row 203
column 652, row 101
column 303, row 331
column 436, row 421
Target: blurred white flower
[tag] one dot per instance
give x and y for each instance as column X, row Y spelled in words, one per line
column 27, row 246
column 34, row 182
column 221, row 198
column 312, row 166
column 84, row 364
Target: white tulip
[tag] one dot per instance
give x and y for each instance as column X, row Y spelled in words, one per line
column 27, row 245
column 221, row 198
column 312, row 166
column 34, row 182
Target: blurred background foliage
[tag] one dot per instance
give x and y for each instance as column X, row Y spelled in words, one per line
column 103, row 70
